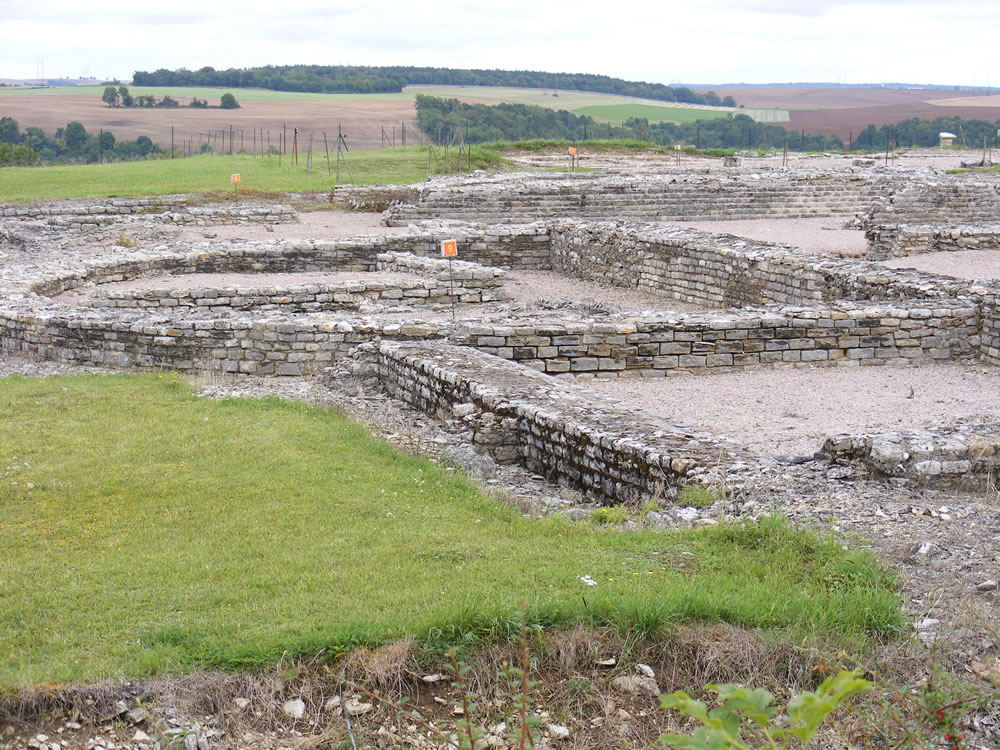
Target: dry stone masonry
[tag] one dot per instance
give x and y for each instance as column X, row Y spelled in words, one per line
column 490, row 365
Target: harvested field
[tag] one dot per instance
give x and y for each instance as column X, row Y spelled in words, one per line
column 362, row 119
column 839, row 111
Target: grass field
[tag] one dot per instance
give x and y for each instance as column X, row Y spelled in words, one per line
column 180, row 533
column 198, row 174
column 571, row 101
column 652, row 113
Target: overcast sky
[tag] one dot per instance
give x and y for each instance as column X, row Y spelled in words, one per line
column 706, row 41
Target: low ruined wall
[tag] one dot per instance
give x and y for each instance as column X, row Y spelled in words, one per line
column 237, row 344
column 171, row 209
column 989, row 345
column 570, row 436
column 900, row 240
column 721, row 270
column 842, row 335
column 665, row 197
column 467, row 283
column 958, row 199
column 950, row 455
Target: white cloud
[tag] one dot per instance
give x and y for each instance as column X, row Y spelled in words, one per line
column 714, row 41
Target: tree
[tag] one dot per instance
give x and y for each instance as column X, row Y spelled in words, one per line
column 127, row 100
column 143, row 145
column 110, row 96
column 9, row 131
column 228, row 101
column 107, row 140
column 75, row 136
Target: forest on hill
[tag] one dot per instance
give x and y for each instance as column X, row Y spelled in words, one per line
column 343, row 79
column 449, row 120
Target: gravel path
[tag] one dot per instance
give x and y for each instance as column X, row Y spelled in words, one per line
column 791, row 411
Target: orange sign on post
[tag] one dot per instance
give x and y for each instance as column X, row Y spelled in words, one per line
column 572, row 150
column 449, row 248
column 235, row 179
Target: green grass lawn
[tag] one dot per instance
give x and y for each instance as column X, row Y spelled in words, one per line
column 147, row 531
column 653, row 113
column 211, row 173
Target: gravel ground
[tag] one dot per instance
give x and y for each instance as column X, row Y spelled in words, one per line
column 826, row 235
column 964, row 264
column 792, row 411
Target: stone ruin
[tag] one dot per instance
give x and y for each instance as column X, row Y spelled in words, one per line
column 508, row 376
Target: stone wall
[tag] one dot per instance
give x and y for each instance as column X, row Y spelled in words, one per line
column 900, row 240
column 573, row 437
column 953, row 199
column 950, row 455
column 466, row 283
column 236, row 344
column 666, row 197
column 841, row 335
column 720, row 270
column 171, row 209
column 989, row 345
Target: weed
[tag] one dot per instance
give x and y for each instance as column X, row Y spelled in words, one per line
column 695, row 496
column 610, row 516
column 124, row 240
column 742, row 710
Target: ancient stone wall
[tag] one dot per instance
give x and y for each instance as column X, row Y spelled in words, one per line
column 841, row 334
column 951, row 454
column 171, row 209
column 900, row 240
column 667, row 197
column 720, row 270
column 954, row 199
column 989, row 346
column 578, row 439
column 236, row 344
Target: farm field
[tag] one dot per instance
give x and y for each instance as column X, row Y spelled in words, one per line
column 841, row 111
column 361, row 116
column 652, row 113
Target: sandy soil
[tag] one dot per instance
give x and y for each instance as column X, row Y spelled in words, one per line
column 825, row 235
column 317, row 225
column 793, row 411
column 532, row 286
column 966, row 264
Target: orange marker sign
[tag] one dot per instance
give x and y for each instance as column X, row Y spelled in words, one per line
column 449, row 248
column 235, row 179
column 572, row 150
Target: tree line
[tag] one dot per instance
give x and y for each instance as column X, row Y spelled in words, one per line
column 120, row 97
column 338, row 79
column 69, row 145
column 449, row 120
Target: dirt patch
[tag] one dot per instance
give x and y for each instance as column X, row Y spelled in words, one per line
column 962, row 264
column 792, row 411
column 827, row 235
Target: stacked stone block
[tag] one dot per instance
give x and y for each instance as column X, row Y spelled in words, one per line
column 578, row 439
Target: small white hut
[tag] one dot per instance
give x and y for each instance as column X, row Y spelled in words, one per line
column 946, row 139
